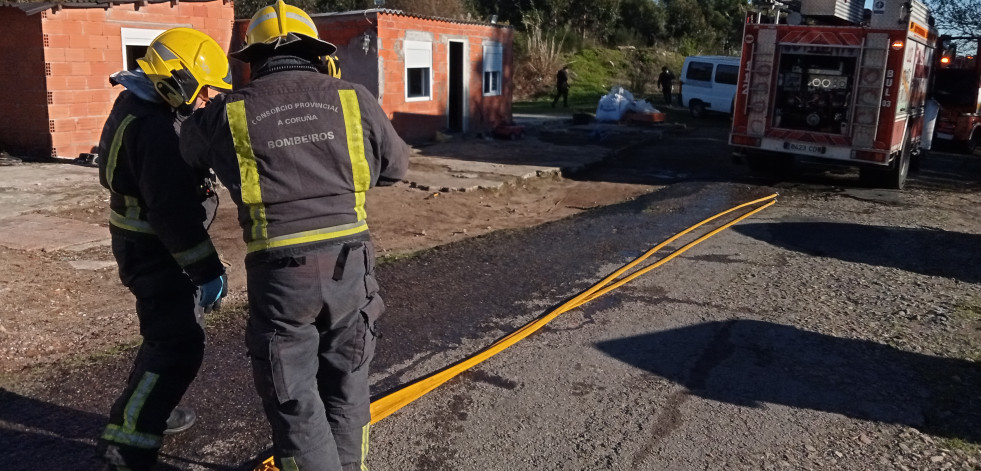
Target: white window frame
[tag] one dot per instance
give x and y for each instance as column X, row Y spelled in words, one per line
column 418, row 55
column 136, row 37
column 493, row 67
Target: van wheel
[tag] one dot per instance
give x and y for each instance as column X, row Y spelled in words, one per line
column 697, row 108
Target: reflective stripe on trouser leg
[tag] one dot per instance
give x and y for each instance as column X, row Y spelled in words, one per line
column 167, row 362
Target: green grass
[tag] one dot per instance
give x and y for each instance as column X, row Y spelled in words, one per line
column 594, row 71
column 959, row 444
column 970, row 310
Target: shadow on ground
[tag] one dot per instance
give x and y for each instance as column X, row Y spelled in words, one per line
column 66, row 435
column 932, row 252
column 749, row 363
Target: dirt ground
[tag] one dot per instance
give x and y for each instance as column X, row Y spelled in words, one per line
column 53, row 312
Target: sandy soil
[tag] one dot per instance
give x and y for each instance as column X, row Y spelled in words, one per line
column 54, row 312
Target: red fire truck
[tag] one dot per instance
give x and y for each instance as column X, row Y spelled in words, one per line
column 836, row 82
column 957, row 88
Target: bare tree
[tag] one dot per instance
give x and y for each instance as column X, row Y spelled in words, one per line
column 957, row 17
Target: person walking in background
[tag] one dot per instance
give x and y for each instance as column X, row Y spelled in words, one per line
column 666, row 81
column 298, row 149
column 158, row 223
column 562, row 87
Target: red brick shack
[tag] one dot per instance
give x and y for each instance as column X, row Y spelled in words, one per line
column 57, row 58
column 429, row 74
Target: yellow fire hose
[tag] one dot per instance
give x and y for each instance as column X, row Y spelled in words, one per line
column 385, row 406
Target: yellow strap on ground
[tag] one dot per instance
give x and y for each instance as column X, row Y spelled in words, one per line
column 385, row 406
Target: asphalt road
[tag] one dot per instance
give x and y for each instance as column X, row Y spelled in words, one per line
column 756, row 349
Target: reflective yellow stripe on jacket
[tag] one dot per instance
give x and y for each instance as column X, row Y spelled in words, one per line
column 117, row 142
column 247, row 168
column 252, row 194
column 360, row 170
column 131, row 220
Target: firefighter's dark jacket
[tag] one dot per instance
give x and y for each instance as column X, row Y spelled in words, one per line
column 153, row 194
column 297, row 150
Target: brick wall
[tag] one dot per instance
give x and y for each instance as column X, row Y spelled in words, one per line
column 83, row 46
column 24, row 115
column 419, row 120
column 382, row 68
column 347, row 33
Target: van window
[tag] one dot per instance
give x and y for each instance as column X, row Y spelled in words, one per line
column 699, row 71
column 727, row 74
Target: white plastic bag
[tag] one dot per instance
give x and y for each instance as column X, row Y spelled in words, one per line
column 642, row 106
column 613, row 105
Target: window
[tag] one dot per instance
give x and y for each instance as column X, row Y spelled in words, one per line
column 727, row 74
column 493, row 53
column 418, row 70
column 135, row 42
column 699, row 71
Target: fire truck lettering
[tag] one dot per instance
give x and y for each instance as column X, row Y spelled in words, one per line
column 888, row 82
column 889, row 73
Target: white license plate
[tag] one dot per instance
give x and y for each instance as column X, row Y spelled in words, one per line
column 809, row 148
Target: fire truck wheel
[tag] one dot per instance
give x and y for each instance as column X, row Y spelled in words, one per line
column 697, row 108
column 971, row 144
column 892, row 177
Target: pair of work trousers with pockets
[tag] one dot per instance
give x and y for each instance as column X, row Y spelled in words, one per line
column 311, row 338
column 167, row 361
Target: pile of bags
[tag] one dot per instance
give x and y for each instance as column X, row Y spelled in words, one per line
column 618, row 102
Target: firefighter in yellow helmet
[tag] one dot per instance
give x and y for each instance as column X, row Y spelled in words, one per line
column 298, row 150
column 159, row 209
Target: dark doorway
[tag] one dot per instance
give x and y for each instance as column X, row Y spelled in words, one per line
column 457, row 96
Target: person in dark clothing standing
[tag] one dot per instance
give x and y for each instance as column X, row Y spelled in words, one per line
column 298, row 149
column 159, row 239
column 562, row 87
column 666, row 81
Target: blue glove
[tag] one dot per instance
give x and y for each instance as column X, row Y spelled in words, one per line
column 210, row 293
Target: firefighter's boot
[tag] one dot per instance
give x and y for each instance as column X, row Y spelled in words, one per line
column 181, row 419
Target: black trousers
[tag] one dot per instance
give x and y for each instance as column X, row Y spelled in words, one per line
column 167, row 361
column 311, row 337
column 563, row 93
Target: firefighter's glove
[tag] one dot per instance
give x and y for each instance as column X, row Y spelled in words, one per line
column 210, row 293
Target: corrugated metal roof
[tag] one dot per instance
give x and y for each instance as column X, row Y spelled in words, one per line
column 33, row 8
column 389, row 11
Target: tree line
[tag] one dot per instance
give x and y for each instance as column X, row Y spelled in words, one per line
column 687, row 26
column 700, row 26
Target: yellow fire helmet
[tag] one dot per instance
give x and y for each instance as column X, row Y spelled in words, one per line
column 182, row 61
column 282, row 29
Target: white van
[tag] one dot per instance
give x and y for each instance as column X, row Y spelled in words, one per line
column 708, row 83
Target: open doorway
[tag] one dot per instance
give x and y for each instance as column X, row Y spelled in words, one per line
column 457, row 91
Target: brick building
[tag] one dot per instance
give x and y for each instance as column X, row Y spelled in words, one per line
column 57, row 58
column 430, row 74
